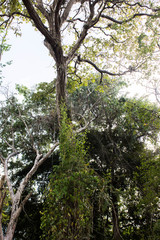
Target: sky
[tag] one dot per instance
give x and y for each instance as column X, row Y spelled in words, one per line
column 31, row 63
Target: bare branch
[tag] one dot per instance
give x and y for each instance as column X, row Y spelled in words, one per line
column 9, row 145
column 109, row 35
column 1, row 4
column 16, row 210
column 2, row 159
column 126, row 20
column 67, row 11
column 28, row 132
column 15, row 13
column 142, row 6
column 89, row 23
column 48, row 153
column 102, row 71
column 1, row 229
column 38, row 161
column 157, row 94
column 9, row 183
column 22, row 204
column 16, row 198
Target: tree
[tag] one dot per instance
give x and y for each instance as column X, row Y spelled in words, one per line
column 93, row 25
column 28, row 137
column 18, row 143
column 97, row 29
column 118, row 128
column 68, row 210
column 116, row 137
column 118, row 150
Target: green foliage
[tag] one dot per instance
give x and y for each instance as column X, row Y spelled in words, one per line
column 68, row 207
column 5, row 206
column 156, row 230
column 78, row 201
column 24, row 121
column 119, row 128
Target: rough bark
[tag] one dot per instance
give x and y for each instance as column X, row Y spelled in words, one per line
column 115, row 219
column 61, row 85
column 98, row 228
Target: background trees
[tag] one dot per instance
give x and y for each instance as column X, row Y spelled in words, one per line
column 20, row 148
column 113, row 183
column 110, row 38
column 117, row 140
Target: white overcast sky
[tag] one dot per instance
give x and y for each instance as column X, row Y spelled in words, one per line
column 31, row 62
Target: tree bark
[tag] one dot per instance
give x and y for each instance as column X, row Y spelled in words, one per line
column 53, row 43
column 61, row 81
column 61, row 78
column 98, row 228
column 115, row 220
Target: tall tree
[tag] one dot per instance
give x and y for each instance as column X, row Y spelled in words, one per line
column 102, row 30
column 119, row 150
column 68, row 204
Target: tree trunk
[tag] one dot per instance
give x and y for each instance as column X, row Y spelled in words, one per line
column 115, row 221
column 98, row 227
column 10, row 232
column 13, row 221
column 61, row 81
column 114, row 199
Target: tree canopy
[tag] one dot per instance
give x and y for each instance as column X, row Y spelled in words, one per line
column 110, row 169
column 110, row 172
column 97, row 34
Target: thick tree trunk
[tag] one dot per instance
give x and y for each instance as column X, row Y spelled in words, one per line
column 114, row 198
column 61, row 81
column 10, row 232
column 115, row 220
column 13, row 220
column 61, row 78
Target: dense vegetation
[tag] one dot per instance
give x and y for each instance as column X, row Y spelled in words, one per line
column 79, row 159
column 99, row 184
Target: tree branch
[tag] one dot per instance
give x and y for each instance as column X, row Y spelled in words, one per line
column 102, row 71
column 1, row 229
column 142, row 6
column 89, row 23
column 9, row 184
column 15, row 214
column 67, row 11
column 126, row 20
column 39, row 24
column 42, row 9
column 2, row 159
column 38, row 161
column 57, row 16
column 1, row 4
